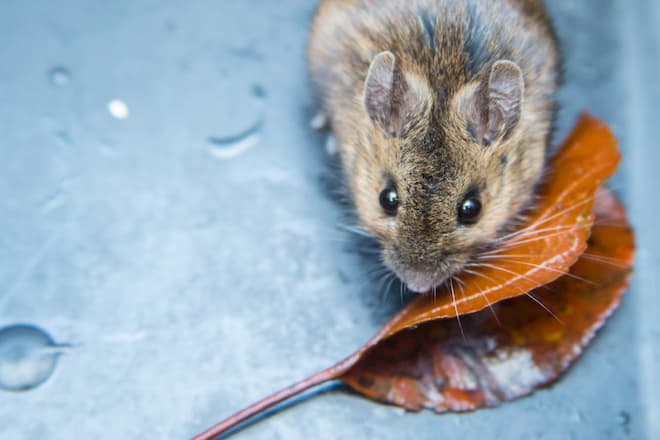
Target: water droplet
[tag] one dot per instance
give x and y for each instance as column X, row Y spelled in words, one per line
column 63, row 137
column 52, row 202
column 258, row 92
column 28, row 357
column 59, row 76
column 118, row 109
column 233, row 146
column 259, row 96
column 579, row 416
column 247, row 52
column 625, row 420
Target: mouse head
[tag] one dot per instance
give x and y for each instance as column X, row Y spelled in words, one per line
column 442, row 174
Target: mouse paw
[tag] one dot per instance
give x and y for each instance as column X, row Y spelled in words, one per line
column 331, row 146
column 320, row 122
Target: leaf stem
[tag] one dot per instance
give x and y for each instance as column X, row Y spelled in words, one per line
column 333, row 373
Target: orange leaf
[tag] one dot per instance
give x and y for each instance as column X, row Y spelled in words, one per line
column 417, row 360
column 503, row 358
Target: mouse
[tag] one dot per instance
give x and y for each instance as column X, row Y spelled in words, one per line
column 442, row 112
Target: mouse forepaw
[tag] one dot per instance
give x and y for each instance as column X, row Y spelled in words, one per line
column 331, row 146
column 320, row 121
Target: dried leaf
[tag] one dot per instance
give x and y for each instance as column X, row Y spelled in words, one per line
column 419, row 360
column 508, row 356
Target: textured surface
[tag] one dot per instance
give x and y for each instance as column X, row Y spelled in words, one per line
column 193, row 273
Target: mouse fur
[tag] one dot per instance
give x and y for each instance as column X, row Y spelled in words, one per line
column 443, row 102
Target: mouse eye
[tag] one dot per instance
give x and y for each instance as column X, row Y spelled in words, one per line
column 470, row 209
column 389, row 200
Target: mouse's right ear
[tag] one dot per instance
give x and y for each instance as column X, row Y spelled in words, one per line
column 390, row 101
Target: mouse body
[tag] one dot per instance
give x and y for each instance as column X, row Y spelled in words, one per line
column 442, row 111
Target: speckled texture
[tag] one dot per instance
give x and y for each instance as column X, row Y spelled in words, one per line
column 191, row 284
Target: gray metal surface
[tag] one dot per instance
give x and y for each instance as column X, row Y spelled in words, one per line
column 193, row 271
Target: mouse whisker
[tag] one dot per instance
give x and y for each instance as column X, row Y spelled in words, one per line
column 605, row 260
column 586, row 255
column 540, row 303
column 483, row 295
column 367, row 251
column 550, row 269
column 390, row 277
column 510, row 272
column 494, row 249
column 356, row 230
column 479, row 274
column 495, row 256
column 380, row 286
column 462, row 285
column 517, row 238
column 453, row 298
column 611, row 224
column 515, row 243
column 528, row 294
column 378, row 268
column 367, row 283
column 459, row 281
column 546, row 220
column 540, row 231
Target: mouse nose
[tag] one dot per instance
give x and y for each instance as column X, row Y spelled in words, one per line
column 419, row 280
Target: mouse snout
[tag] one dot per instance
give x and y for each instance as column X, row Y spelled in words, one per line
column 420, row 280
column 423, row 271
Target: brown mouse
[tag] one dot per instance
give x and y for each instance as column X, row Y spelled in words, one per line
column 442, row 112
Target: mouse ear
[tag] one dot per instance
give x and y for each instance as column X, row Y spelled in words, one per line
column 496, row 105
column 388, row 97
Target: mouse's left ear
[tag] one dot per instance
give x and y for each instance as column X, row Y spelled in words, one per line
column 495, row 107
